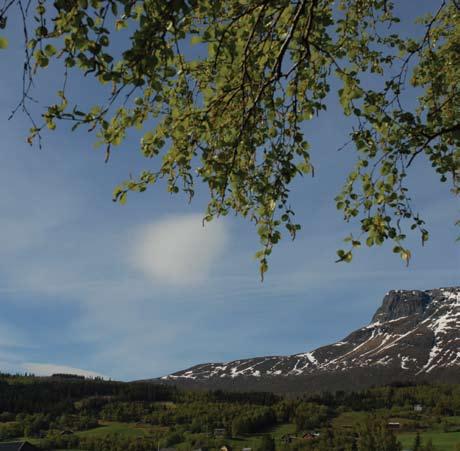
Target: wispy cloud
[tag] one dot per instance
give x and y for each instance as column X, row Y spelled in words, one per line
column 179, row 250
column 47, row 369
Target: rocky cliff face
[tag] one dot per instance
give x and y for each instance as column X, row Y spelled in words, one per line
column 413, row 335
column 398, row 304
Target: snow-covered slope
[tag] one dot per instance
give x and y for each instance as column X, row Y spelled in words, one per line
column 413, row 334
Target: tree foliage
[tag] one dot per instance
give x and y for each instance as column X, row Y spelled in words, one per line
column 374, row 435
column 221, row 91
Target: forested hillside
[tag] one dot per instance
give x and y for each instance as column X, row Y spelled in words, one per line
column 65, row 412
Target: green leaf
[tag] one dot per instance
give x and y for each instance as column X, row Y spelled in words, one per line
column 43, row 61
column 406, row 255
column 50, row 50
column 122, row 198
column 3, row 43
column 120, row 25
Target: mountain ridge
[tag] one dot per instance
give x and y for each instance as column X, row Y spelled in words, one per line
column 413, row 335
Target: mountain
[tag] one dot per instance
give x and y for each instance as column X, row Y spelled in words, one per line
column 413, row 336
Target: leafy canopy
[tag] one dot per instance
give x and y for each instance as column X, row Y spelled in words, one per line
column 221, row 90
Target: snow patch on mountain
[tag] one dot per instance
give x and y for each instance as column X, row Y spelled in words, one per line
column 413, row 331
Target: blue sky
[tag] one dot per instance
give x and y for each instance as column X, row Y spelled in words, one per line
column 142, row 290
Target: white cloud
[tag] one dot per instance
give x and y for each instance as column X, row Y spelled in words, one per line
column 178, row 250
column 47, row 369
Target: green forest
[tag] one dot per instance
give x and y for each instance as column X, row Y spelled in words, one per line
column 71, row 412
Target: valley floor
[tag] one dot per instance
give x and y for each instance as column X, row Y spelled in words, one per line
column 73, row 414
column 442, row 440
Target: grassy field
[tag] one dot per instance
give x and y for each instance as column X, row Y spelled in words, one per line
column 252, row 441
column 443, row 441
column 114, row 427
column 452, row 420
column 349, row 419
column 139, row 430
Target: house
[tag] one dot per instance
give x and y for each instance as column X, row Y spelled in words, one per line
column 17, row 446
column 307, row 436
column 220, row 432
column 394, row 425
column 310, row 435
column 418, row 408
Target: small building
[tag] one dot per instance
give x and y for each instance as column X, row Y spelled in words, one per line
column 310, row 435
column 17, row 446
column 418, row 408
column 220, row 432
column 394, row 425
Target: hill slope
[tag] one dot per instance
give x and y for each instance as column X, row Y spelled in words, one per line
column 414, row 335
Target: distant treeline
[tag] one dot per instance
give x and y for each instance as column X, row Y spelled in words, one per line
column 68, row 376
column 28, row 394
